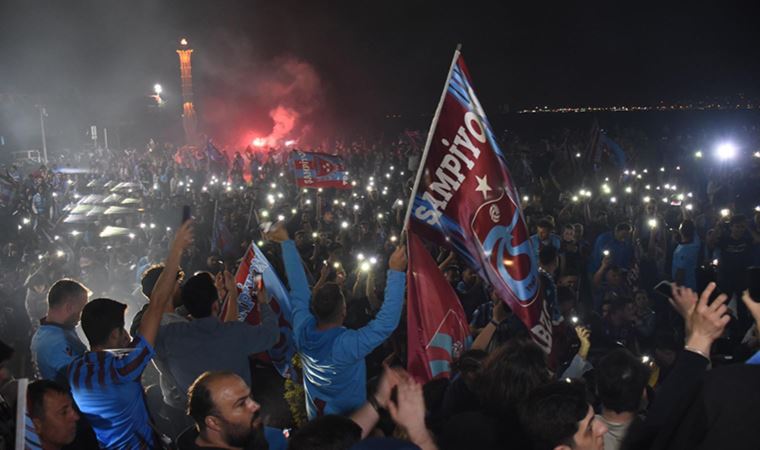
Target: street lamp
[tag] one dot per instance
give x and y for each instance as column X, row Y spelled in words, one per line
column 726, row 151
column 43, row 114
column 157, row 90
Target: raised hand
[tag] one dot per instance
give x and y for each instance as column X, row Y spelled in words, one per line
column 752, row 306
column 398, row 259
column 408, row 412
column 390, row 378
column 584, row 335
column 277, row 233
column 705, row 322
column 184, row 237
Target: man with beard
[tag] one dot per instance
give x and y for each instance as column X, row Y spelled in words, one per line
column 226, row 416
column 55, row 344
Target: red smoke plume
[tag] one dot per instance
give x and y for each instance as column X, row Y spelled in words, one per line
column 271, row 102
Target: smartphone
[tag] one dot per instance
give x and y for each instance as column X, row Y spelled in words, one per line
column 186, row 213
column 218, row 266
column 664, row 288
column 753, row 282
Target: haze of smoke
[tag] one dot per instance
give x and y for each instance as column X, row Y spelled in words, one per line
column 275, row 100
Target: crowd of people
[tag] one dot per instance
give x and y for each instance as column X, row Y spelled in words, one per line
column 128, row 318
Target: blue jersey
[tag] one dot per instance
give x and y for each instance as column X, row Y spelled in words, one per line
column 106, row 387
column 333, row 360
column 538, row 244
column 53, row 348
column 686, row 258
column 621, row 252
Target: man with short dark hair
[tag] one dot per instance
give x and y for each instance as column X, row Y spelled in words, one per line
column 207, row 343
column 548, row 261
column 331, row 432
column 147, row 283
column 621, row 381
column 332, row 355
column 686, row 256
column 544, row 236
column 609, row 280
column 616, row 327
column 172, row 396
column 226, row 416
column 55, row 343
column 53, row 415
column 557, row 416
column 471, row 292
column 105, row 381
column 616, row 245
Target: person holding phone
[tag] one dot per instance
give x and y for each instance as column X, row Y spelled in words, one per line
column 618, row 244
column 686, row 256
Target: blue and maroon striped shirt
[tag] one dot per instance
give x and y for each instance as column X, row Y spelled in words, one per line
column 106, row 387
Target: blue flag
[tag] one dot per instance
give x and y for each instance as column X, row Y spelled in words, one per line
column 617, row 155
column 214, row 154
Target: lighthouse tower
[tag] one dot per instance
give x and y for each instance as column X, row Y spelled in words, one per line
column 189, row 120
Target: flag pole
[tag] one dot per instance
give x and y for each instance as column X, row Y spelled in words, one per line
column 429, row 140
column 250, row 215
column 213, row 224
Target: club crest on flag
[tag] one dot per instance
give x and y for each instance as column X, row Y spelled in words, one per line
column 465, row 199
column 503, row 238
column 315, row 170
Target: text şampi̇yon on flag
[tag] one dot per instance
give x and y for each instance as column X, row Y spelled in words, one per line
column 465, row 199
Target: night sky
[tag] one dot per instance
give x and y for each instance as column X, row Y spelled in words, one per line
column 375, row 58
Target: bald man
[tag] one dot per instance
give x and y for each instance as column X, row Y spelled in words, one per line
column 226, row 416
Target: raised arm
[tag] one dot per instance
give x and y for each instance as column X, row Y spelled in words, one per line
column 299, row 287
column 486, row 334
column 359, row 343
column 599, row 275
column 261, row 337
column 165, row 285
column 233, row 309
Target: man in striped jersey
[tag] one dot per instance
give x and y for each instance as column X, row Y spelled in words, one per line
column 105, row 381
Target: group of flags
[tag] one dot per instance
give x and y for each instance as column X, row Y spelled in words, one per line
column 464, row 200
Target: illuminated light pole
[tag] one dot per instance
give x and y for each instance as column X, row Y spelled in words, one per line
column 43, row 114
column 189, row 120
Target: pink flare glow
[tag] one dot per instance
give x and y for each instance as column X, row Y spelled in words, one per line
column 259, row 142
